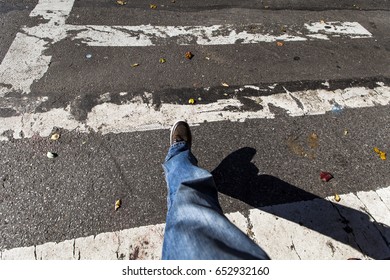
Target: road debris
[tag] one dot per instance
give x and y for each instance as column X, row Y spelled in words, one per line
column 191, row 101
column 207, row 58
column 225, row 84
column 345, row 132
column 189, row 55
column 51, row 155
column 381, row 154
column 313, row 140
column 118, row 204
column 162, row 60
column 55, row 137
column 337, row 108
column 325, row 176
column 135, row 65
column 337, row 197
column 120, row 2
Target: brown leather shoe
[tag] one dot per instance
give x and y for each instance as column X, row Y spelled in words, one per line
column 180, row 131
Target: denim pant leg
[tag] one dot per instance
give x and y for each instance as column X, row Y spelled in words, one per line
column 195, row 226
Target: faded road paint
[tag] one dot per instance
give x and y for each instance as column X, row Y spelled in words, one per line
column 137, row 115
column 23, row 65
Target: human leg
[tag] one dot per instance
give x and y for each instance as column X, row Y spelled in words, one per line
column 196, row 227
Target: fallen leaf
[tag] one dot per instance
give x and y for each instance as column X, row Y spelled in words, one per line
column 225, row 85
column 189, row 55
column 55, row 137
column 135, row 65
column 191, row 101
column 279, row 44
column 313, row 140
column 51, row 155
column 120, row 2
column 337, row 197
column 326, row 176
column 162, row 60
column 152, row 6
column 381, row 154
column 118, row 204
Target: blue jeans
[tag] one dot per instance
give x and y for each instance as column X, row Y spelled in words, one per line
column 195, row 226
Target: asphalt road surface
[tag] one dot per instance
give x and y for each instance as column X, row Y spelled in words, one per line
column 70, row 68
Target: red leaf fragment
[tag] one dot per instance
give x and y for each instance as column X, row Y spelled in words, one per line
column 326, row 176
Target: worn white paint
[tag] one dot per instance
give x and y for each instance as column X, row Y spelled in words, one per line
column 136, row 115
column 149, row 35
column 322, row 235
column 337, row 28
column 26, row 61
column 24, row 65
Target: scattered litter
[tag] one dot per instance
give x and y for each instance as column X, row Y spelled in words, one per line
column 283, row 28
column 152, row 6
column 337, row 108
column 326, row 176
column 135, row 65
column 326, row 84
column 225, row 94
column 225, row 84
column 120, row 2
column 118, row 204
column 266, row 7
column 88, row 55
column 279, row 43
column 162, row 60
column 55, row 136
column 381, row 154
column 322, row 21
column 345, row 132
column 189, row 55
column 173, row 1
column 207, row 58
column 337, row 197
column 199, row 98
column 191, row 101
column 51, row 155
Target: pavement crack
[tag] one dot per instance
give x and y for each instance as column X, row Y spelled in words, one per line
column 347, row 228
column 293, row 248
column 249, row 226
column 376, row 224
column 119, row 245
column 74, row 248
column 382, row 200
